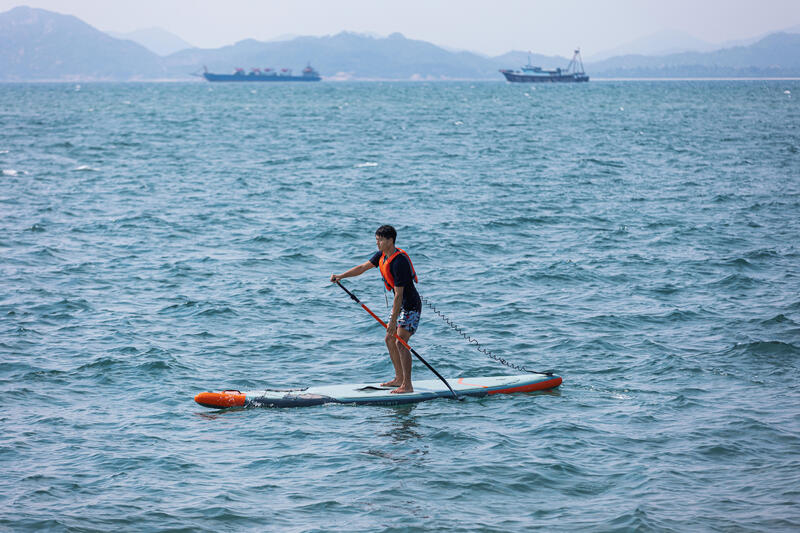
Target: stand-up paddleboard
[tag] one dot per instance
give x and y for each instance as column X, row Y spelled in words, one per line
column 374, row 394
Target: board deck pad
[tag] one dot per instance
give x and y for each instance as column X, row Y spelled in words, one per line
column 375, row 394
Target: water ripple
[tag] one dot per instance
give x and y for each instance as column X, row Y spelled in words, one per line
column 640, row 239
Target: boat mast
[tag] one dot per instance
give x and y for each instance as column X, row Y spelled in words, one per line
column 576, row 60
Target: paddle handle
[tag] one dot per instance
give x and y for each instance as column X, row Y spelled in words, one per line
column 398, row 337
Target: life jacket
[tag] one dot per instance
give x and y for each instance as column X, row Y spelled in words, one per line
column 386, row 273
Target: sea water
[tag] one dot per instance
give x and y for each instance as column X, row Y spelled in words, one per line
column 640, row 239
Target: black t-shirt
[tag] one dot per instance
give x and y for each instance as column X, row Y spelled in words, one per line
column 401, row 272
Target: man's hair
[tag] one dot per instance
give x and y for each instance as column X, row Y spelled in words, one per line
column 387, row 232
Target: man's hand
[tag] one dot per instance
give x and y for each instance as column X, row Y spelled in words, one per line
column 391, row 328
column 353, row 272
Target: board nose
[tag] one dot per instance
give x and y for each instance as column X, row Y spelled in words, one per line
column 220, row 399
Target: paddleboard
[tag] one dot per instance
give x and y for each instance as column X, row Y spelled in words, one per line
column 375, row 394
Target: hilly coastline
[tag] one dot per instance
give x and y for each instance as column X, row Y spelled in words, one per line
column 41, row 45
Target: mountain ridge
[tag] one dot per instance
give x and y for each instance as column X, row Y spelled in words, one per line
column 44, row 45
column 157, row 40
column 40, row 45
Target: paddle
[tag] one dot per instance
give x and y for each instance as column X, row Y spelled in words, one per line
column 382, row 323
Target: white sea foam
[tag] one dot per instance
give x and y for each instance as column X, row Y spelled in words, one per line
column 84, row 168
column 367, row 164
column 12, row 172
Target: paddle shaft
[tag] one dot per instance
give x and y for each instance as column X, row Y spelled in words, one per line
column 398, row 337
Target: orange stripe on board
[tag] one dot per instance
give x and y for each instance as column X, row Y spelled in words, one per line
column 461, row 382
column 220, row 399
column 542, row 385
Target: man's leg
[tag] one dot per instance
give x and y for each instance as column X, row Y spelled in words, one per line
column 404, row 358
column 391, row 344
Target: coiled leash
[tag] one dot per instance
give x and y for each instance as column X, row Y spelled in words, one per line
column 478, row 346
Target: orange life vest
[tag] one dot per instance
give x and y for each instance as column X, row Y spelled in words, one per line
column 386, row 273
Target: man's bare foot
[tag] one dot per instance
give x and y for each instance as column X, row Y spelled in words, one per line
column 403, row 390
column 393, row 383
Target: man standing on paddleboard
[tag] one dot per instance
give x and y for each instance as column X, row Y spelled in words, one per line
column 398, row 276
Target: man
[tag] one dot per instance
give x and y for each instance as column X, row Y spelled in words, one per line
column 398, row 276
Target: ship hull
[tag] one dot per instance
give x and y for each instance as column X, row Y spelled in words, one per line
column 515, row 77
column 259, row 78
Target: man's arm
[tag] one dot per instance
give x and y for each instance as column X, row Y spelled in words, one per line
column 391, row 327
column 353, row 272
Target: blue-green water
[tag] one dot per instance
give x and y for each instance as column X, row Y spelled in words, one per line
column 640, row 239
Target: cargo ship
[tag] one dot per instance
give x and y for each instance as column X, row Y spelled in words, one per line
column 530, row 74
column 267, row 74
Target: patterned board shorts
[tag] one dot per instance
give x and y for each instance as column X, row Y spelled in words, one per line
column 408, row 320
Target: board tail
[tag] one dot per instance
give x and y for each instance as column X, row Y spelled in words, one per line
column 542, row 385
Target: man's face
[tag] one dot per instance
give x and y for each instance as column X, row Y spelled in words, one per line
column 384, row 244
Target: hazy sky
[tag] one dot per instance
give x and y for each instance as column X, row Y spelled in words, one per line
column 487, row 26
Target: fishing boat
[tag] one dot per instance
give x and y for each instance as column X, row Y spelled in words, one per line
column 267, row 74
column 531, row 74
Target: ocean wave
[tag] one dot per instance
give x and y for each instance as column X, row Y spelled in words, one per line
column 100, row 363
column 47, row 376
column 278, row 161
column 144, row 220
column 12, row 172
column 667, row 288
column 217, row 311
column 65, row 308
column 734, row 281
column 720, row 198
column 738, row 262
column 767, row 349
column 614, row 163
column 777, row 319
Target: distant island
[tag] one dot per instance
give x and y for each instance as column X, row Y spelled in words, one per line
column 41, row 45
